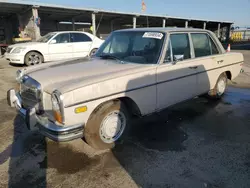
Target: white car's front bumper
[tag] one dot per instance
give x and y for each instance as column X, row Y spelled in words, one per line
column 14, row 58
column 41, row 123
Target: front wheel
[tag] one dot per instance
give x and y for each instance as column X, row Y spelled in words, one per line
column 33, row 58
column 106, row 125
column 219, row 88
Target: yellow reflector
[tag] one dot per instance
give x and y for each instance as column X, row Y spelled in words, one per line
column 81, row 109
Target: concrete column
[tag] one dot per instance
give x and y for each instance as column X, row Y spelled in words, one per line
column 218, row 33
column 186, row 24
column 36, row 27
column 134, row 22
column 204, row 25
column 164, row 23
column 93, row 24
column 73, row 24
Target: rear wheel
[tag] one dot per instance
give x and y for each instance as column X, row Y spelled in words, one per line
column 33, row 58
column 92, row 52
column 219, row 88
column 106, row 125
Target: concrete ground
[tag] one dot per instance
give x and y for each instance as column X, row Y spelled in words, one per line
column 198, row 143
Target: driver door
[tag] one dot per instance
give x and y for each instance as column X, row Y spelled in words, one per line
column 60, row 47
column 177, row 76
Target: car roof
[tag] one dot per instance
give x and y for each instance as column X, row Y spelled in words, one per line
column 68, row 32
column 165, row 29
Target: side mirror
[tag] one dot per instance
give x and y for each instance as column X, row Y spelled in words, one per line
column 53, row 41
column 178, row 58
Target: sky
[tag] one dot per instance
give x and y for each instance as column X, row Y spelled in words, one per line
column 227, row 10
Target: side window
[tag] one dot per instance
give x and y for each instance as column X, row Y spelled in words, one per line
column 201, row 44
column 178, row 48
column 62, row 38
column 79, row 37
column 214, row 48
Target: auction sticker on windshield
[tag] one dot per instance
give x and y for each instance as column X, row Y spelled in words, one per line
column 154, row 35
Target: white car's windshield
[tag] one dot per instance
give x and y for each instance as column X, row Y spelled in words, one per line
column 46, row 38
column 140, row 47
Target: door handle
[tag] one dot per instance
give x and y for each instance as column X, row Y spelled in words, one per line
column 221, row 61
column 194, row 67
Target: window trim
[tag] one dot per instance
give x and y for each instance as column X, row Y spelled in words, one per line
column 160, row 59
column 168, row 42
column 58, row 35
column 91, row 40
column 208, row 34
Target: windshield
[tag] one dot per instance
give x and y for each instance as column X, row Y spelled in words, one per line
column 140, row 47
column 46, row 38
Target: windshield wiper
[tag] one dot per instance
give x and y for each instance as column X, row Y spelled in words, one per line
column 108, row 56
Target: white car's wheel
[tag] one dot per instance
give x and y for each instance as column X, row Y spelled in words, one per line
column 33, row 58
column 106, row 125
column 92, row 52
column 219, row 88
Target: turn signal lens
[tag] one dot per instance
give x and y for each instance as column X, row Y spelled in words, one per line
column 58, row 116
column 57, row 108
column 81, row 109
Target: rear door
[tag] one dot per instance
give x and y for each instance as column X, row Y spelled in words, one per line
column 81, row 44
column 62, row 48
column 209, row 56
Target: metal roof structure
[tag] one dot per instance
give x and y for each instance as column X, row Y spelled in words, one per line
column 14, row 6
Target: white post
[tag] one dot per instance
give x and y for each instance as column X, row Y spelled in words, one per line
column 164, row 23
column 186, row 24
column 134, row 22
column 93, row 24
column 36, row 27
column 218, row 33
column 204, row 25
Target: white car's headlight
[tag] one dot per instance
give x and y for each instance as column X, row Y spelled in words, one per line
column 57, row 106
column 18, row 50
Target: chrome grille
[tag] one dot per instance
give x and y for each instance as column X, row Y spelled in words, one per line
column 9, row 50
column 31, row 94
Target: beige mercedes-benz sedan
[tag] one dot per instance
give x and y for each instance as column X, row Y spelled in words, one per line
column 134, row 72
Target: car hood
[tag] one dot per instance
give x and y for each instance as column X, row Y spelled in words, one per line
column 25, row 44
column 79, row 73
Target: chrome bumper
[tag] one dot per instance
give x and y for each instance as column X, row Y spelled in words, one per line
column 41, row 123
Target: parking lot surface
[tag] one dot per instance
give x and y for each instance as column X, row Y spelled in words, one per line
column 198, row 143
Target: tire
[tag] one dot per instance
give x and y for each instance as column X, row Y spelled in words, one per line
column 33, row 58
column 92, row 52
column 103, row 123
column 219, row 88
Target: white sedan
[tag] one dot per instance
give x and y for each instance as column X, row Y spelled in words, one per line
column 54, row 46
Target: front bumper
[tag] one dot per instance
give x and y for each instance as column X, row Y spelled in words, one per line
column 14, row 58
column 39, row 122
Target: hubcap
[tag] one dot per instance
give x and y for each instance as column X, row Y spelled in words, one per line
column 34, row 59
column 221, row 86
column 92, row 52
column 112, row 126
